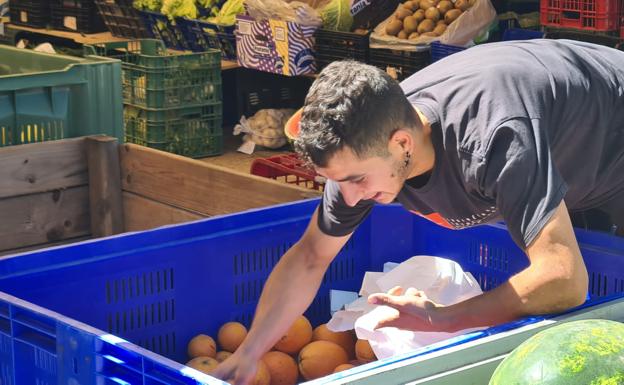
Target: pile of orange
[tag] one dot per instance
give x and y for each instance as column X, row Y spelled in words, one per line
column 301, row 354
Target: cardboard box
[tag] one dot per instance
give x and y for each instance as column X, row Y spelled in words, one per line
column 276, row 46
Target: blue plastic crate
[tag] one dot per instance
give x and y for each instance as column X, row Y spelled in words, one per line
column 440, row 51
column 64, row 310
column 521, row 34
column 201, row 36
column 160, row 27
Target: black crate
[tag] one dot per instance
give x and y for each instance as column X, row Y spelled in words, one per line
column 76, row 16
column 612, row 41
column 403, row 63
column 258, row 90
column 372, row 12
column 333, row 45
column 30, row 13
column 121, row 19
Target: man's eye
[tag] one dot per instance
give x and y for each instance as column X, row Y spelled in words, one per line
column 359, row 180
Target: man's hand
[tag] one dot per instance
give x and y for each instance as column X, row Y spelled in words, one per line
column 414, row 310
column 237, row 370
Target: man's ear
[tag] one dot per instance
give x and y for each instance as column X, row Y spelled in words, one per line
column 400, row 141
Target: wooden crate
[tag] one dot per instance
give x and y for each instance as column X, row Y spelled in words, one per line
column 69, row 190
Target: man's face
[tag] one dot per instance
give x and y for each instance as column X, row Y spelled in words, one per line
column 377, row 178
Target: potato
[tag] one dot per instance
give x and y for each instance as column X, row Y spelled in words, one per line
column 402, row 35
column 426, row 4
column 410, row 24
column 471, row 2
column 360, row 31
column 452, row 15
column 462, row 4
column 425, row 26
column 430, row 34
column 402, row 13
column 414, row 36
column 444, row 6
column 432, row 14
column 393, row 27
column 419, row 15
column 439, row 29
column 441, row 22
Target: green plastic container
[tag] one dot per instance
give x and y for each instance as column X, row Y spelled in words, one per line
column 190, row 131
column 156, row 78
column 47, row 97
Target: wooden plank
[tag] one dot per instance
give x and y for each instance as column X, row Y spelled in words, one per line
column 78, row 37
column 143, row 213
column 39, row 167
column 44, row 245
column 196, row 186
column 104, row 186
column 44, row 217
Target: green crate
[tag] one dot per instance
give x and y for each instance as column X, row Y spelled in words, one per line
column 47, row 97
column 189, row 131
column 154, row 77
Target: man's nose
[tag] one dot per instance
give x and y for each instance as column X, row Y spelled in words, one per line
column 351, row 193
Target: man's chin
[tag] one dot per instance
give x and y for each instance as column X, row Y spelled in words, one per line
column 384, row 199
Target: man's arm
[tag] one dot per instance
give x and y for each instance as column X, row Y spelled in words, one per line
column 288, row 292
column 555, row 280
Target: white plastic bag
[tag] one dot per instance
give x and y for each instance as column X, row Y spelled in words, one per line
column 442, row 280
column 470, row 24
column 296, row 11
column 265, row 128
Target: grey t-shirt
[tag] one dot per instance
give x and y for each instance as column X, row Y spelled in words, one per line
column 516, row 127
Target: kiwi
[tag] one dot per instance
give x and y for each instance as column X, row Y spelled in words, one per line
column 439, row 29
column 462, row 4
column 414, row 36
column 410, row 24
column 402, row 13
column 425, row 26
column 402, row 35
column 393, row 27
column 419, row 15
column 445, row 6
column 426, row 4
column 432, row 14
column 452, row 15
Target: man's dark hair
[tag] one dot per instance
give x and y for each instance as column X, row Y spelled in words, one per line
column 354, row 105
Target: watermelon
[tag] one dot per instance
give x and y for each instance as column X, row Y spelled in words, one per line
column 588, row 352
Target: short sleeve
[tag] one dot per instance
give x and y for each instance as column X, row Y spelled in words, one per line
column 335, row 217
column 519, row 174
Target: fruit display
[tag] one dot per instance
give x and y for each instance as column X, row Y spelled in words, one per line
column 414, row 19
column 302, row 354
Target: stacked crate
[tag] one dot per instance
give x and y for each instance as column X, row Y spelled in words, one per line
column 172, row 102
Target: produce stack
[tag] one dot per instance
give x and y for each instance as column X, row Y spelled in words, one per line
column 172, row 102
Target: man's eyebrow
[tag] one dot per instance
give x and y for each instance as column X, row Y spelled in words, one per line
column 351, row 177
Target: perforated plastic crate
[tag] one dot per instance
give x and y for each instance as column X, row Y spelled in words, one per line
column 288, row 168
column 153, row 77
column 335, row 45
column 77, row 16
column 124, row 308
column 46, row 97
column 403, row 63
column 122, row 19
column 189, row 131
column 591, row 15
column 30, row 13
column 160, row 27
column 202, row 35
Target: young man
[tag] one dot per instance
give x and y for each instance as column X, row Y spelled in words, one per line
column 517, row 131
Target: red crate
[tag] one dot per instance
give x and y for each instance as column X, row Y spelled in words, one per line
column 591, row 15
column 288, row 168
